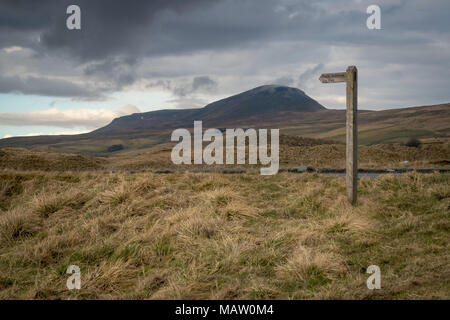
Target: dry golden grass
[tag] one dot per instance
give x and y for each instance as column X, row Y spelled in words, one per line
column 294, row 151
column 215, row 236
column 16, row 225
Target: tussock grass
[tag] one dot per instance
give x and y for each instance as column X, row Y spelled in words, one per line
column 45, row 204
column 214, row 236
column 310, row 269
column 16, row 225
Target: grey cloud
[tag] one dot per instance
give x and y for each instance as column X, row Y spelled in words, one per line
column 144, row 28
column 118, row 72
column 45, row 86
column 283, row 81
column 159, row 42
column 108, row 27
column 165, row 84
column 200, row 83
column 203, row 82
column 186, row 90
column 310, row 74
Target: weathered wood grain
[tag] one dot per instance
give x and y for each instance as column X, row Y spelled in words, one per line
column 352, row 134
column 333, row 77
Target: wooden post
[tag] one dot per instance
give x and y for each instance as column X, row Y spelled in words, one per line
column 351, row 78
column 352, row 134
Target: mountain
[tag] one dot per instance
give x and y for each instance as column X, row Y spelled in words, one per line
column 270, row 98
column 288, row 109
column 258, row 102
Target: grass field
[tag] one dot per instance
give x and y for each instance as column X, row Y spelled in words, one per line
column 183, row 233
column 203, row 236
column 293, row 153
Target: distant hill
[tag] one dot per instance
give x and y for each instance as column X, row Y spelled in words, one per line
column 259, row 102
column 271, row 106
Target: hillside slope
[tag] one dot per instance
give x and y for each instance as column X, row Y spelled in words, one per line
column 288, row 109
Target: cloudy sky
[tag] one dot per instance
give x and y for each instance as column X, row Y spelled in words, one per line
column 142, row 55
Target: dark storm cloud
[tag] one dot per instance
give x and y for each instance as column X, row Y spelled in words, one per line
column 108, row 27
column 143, row 28
column 122, row 42
column 113, row 37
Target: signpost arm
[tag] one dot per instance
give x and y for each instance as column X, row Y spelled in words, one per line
column 352, row 134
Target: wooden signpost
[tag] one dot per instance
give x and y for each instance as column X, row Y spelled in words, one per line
column 351, row 78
